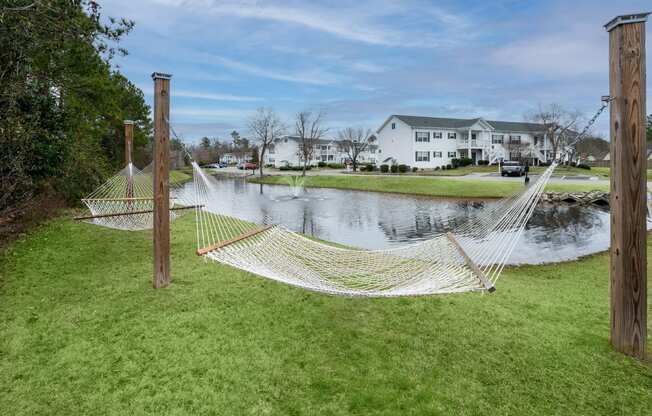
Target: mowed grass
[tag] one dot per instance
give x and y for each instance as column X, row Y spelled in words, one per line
column 438, row 187
column 83, row 333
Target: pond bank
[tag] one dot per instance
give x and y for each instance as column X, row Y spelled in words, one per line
column 428, row 186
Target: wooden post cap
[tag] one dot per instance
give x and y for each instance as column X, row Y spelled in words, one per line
column 161, row 75
column 625, row 19
column 128, row 122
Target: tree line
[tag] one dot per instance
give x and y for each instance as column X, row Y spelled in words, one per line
column 265, row 127
column 63, row 103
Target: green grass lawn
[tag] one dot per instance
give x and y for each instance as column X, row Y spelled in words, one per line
column 439, row 187
column 83, row 332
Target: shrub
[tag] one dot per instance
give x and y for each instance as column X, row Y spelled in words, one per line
column 437, row 168
column 393, row 168
column 414, row 169
column 403, row 168
column 294, row 168
column 443, row 167
column 384, row 168
column 449, row 166
column 583, row 166
column 483, row 162
column 335, row 166
column 466, row 161
column 321, row 164
column 455, row 162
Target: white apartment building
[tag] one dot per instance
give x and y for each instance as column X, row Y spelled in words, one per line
column 285, row 152
column 429, row 142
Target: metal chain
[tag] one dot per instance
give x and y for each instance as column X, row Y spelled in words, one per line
column 605, row 103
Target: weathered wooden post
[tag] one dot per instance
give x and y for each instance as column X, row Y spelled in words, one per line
column 129, row 140
column 161, row 218
column 628, row 184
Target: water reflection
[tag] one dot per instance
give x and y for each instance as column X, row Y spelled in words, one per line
column 374, row 220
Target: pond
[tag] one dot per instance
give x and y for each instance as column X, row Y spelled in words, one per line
column 371, row 220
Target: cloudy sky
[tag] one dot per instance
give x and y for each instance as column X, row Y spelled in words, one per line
column 361, row 61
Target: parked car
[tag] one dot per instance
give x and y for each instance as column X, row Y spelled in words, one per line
column 222, row 165
column 247, row 166
column 512, row 168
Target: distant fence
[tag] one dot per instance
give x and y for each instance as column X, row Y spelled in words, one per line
column 607, row 163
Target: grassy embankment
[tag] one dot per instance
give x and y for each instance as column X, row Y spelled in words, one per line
column 439, row 187
column 82, row 332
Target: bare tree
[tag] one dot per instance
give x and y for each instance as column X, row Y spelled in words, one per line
column 309, row 130
column 558, row 124
column 265, row 127
column 353, row 142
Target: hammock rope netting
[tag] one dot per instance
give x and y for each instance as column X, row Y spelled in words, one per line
column 126, row 200
column 470, row 257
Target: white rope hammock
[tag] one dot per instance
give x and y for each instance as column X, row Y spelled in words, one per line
column 126, row 200
column 471, row 258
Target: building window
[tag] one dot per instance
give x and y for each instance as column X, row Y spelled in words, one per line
column 497, row 138
column 515, row 139
column 436, row 154
column 422, row 156
column 270, row 160
column 514, row 155
column 474, row 136
column 330, row 157
column 393, row 126
column 452, row 154
column 452, row 136
column 422, row 136
column 436, row 135
column 271, row 150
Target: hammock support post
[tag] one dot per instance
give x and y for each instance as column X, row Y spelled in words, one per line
column 628, row 184
column 129, row 145
column 129, row 141
column 161, row 216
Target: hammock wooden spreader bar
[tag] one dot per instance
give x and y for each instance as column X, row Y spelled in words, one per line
column 483, row 279
column 221, row 244
column 120, row 214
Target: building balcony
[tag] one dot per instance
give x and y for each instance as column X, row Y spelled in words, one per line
column 479, row 144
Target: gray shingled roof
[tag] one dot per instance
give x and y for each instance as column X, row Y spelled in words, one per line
column 516, row 126
column 458, row 123
column 449, row 123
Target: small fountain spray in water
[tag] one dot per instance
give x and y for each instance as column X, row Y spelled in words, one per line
column 296, row 184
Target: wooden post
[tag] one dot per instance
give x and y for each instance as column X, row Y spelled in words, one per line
column 161, row 180
column 628, row 184
column 129, row 140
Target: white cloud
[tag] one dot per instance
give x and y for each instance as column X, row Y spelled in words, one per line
column 313, row 76
column 556, row 54
column 357, row 23
column 148, row 89
column 212, row 96
column 201, row 113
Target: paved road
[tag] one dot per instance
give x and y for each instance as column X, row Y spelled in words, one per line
column 494, row 176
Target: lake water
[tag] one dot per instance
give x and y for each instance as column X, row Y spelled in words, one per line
column 371, row 220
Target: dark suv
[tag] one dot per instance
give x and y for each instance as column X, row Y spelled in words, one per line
column 512, row 168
